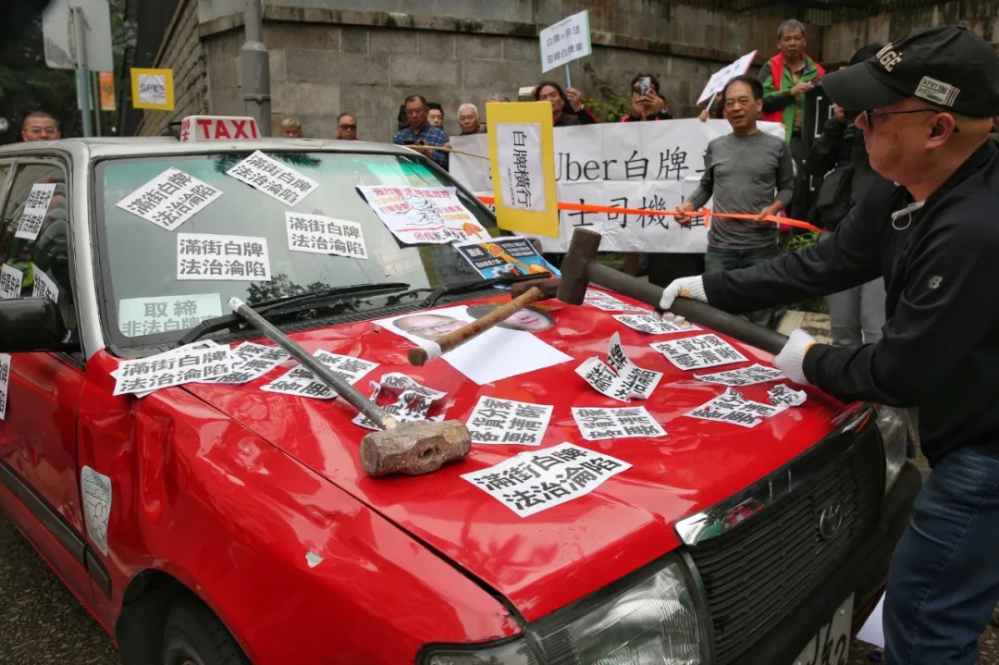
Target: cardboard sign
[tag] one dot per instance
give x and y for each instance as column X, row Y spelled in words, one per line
column 152, row 89
column 496, row 421
column 538, row 480
column 716, row 84
column 417, row 215
column 504, row 256
column 567, row 40
column 170, row 199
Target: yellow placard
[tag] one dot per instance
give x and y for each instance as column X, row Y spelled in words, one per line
column 152, row 89
column 516, row 219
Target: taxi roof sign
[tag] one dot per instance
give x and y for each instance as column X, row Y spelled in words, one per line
column 195, row 128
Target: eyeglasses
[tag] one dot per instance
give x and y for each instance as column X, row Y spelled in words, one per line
column 869, row 115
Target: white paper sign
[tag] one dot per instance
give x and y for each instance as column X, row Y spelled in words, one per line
column 230, row 258
column 172, row 368
column 324, row 235
column 732, row 407
column 746, row 376
column 150, row 316
column 540, row 479
column 44, row 287
column 251, row 361
column 518, row 151
column 496, row 354
column 565, row 41
column 96, row 490
column 35, row 209
column 152, row 89
column 700, row 351
column 302, row 382
column 637, row 165
column 273, row 178
column 505, row 421
column 423, row 214
column 600, row 424
column 608, row 303
column 784, row 395
column 4, row 383
column 619, row 378
column 170, row 199
column 10, row 282
column 197, row 346
column 716, row 84
column 648, row 323
column 412, row 401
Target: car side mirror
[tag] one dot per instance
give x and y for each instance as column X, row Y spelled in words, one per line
column 32, row 324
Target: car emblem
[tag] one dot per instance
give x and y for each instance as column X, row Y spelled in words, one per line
column 830, row 521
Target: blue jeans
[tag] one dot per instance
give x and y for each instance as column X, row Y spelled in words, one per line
column 724, row 258
column 944, row 578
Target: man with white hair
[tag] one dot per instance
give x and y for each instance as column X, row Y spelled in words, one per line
column 468, row 120
column 291, row 128
column 925, row 105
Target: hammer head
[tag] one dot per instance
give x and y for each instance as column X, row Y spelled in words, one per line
column 414, row 448
column 548, row 287
column 575, row 275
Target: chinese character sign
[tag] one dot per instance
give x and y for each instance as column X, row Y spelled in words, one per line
column 209, row 256
column 163, row 314
column 10, row 282
column 417, row 215
column 649, row 324
column 44, row 287
column 505, row 421
column 251, row 361
column 602, row 424
column 324, row 235
column 565, row 41
column 302, row 382
column 731, row 407
column 618, row 377
column 541, row 479
column 35, row 209
column 716, row 84
column 409, row 401
column 4, row 383
column 273, row 178
column 746, row 376
column 698, row 352
column 522, row 182
column 170, row 199
column 187, row 364
column 505, row 256
column 608, row 303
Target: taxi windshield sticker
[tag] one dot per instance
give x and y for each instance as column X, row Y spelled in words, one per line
column 210, row 257
column 423, row 214
column 697, row 352
column 541, row 479
column 273, row 178
column 505, row 421
column 35, row 209
column 170, row 199
column 601, row 424
column 324, row 235
column 152, row 316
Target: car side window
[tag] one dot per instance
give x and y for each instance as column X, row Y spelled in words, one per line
column 34, row 239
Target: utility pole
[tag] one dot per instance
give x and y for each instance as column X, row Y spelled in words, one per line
column 82, row 76
column 256, row 68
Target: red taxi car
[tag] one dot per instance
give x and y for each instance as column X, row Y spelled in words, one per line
column 215, row 523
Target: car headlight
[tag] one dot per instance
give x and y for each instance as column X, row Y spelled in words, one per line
column 655, row 619
column 895, row 437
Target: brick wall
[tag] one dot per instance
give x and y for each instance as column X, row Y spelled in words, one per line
column 182, row 52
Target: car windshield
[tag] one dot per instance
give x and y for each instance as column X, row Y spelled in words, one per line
column 152, row 299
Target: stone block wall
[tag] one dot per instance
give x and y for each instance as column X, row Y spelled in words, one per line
column 182, row 52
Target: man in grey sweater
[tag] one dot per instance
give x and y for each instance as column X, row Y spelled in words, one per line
column 747, row 172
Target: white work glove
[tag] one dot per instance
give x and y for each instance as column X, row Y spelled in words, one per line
column 791, row 359
column 688, row 287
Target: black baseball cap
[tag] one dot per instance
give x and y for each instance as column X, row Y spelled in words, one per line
column 948, row 66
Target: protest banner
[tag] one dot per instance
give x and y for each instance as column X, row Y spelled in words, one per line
column 565, row 41
column 644, row 165
column 720, row 79
column 522, row 167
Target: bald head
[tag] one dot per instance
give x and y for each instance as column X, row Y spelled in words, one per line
column 40, row 126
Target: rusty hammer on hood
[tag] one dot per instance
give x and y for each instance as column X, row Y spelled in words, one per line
column 580, row 268
column 412, row 448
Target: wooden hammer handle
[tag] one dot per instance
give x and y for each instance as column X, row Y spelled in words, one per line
column 419, row 356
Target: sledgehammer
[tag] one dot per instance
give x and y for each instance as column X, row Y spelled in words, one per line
column 580, row 268
column 412, row 448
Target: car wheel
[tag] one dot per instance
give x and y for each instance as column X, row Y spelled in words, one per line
column 193, row 635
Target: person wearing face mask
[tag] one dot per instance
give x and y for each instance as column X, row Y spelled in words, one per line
column 567, row 105
column 925, row 105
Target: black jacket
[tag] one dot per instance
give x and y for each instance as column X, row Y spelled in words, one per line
column 840, row 156
column 940, row 350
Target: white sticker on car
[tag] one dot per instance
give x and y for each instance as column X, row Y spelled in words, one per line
column 163, row 314
column 324, row 235
column 273, row 178
column 96, row 490
column 170, row 199
column 35, row 209
column 208, row 256
column 698, row 352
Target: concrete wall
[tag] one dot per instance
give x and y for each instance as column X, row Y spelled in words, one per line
column 182, row 52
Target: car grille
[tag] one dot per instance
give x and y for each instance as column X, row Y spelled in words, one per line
column 756, row 573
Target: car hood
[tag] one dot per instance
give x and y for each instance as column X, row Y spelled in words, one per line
column 545, row 561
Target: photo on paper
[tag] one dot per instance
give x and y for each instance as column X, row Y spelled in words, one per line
column 324, row 235
column 273, row 178
column 502, row 257
column 418, row 215
column 170, row 199
column 699, row 352
column 528, row 319
column 496, row 421
column 207, row 256
column 35, row 209
column 541, row 479
column 494, row 355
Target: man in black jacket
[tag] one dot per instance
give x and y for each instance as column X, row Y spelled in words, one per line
column 839, row 156
column 931, row 229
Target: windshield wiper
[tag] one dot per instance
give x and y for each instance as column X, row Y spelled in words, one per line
column 281, row 302
column 465, row 287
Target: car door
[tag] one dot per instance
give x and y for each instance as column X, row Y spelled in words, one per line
column 38, row 433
